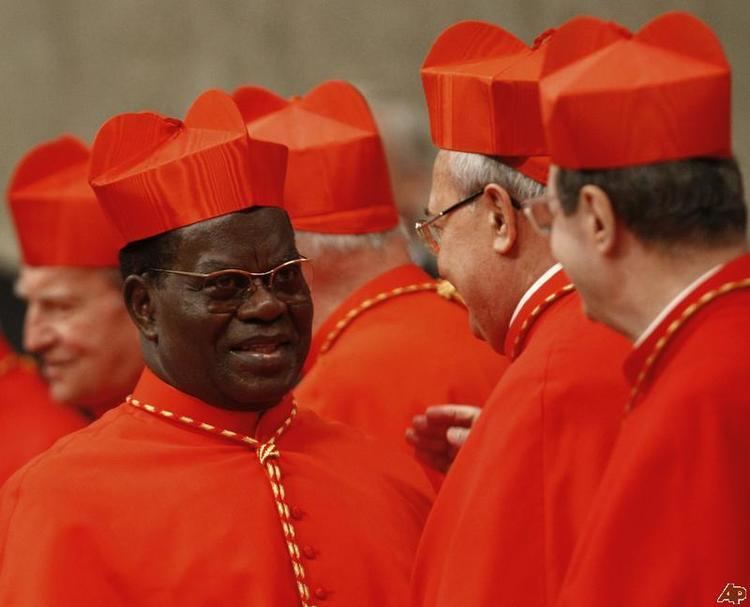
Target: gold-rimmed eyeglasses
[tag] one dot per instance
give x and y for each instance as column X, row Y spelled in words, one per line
column 430, row 233
column 227, row 289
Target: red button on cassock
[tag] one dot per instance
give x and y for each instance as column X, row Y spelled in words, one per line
column 309, row 552
column 321, row 593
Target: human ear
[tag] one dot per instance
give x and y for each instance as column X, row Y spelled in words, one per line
column 502, row 218
column 599, row 218
column 140, row 305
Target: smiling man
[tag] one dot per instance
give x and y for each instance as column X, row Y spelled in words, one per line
column 76, row 324
column 209, row 486
column 648, row 215
column 508, row 515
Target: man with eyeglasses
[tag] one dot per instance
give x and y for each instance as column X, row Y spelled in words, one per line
column 209, row 485
column 648, row 216
column 508, row 515
column 378, row 315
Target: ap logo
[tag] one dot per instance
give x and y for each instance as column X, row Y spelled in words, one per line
column 732, row 594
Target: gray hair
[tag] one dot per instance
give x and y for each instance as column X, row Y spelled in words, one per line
column 316, row 244
column 471, row 172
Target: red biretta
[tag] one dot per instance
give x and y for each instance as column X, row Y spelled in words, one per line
column 208, row 486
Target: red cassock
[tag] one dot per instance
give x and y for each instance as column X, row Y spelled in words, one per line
column 29, row 420
column 507, row 517
column 168, row 501
column 391, row 349
column 671, row 523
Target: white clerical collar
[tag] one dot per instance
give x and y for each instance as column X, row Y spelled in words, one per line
column 676, row 302
column 534, row 288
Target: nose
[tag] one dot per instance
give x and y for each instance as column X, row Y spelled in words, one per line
column 261, row 304
column 38, row 334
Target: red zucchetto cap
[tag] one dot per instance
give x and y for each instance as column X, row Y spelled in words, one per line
column 154, row 174
column 613, row 99
column 482, row 89
column 337, row 177
column 57, row 218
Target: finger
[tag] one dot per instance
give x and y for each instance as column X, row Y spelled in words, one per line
column 419, row 422
column 425, row 427
column 457, row 436
column 462, row 415
column 411, row 436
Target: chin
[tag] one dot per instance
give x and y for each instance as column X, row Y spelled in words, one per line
column 61, row 393
column 476, row 328
column 589, row 310
column 259, row 394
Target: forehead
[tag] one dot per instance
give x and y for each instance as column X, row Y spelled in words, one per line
column 57, row 282
column 255, row 240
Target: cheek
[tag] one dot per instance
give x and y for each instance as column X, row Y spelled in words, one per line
column 302, row 319
column 78, row 334
column 564, row 246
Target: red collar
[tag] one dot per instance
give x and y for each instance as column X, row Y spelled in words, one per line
column 152, row 390
column 737, row 269
column 553, row 289
column 401, row 276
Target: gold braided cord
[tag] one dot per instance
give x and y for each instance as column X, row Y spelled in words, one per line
column 268, row 455
column 536, row 313
column 8, row 363
column 672, row 329
column 442, row 287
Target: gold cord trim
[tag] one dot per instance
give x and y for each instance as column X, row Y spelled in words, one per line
column 535, row 313
column 442, row 287
column 268, row 455
column 675, row 326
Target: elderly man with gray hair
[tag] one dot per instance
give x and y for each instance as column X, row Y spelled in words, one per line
column 388, row 339
column 517, row 494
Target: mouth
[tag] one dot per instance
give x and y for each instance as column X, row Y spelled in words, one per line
column 51, row 369
column 262, row 350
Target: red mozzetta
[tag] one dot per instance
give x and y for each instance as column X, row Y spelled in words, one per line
column 673, row 504
column 242, row 523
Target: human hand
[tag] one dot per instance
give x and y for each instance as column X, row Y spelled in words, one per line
column 438, row 433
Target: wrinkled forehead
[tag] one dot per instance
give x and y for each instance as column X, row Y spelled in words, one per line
column 57, row 282
column 254, row 240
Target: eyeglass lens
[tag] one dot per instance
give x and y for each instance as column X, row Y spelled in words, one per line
column 287, row 283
